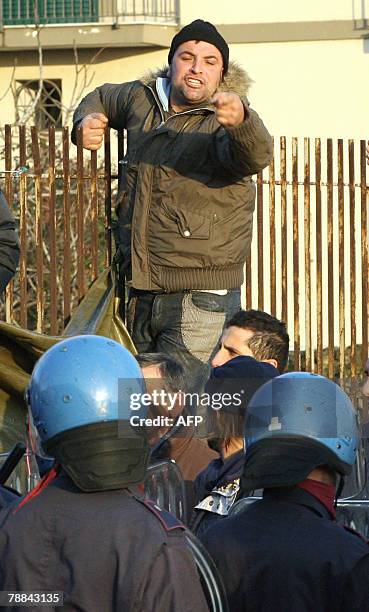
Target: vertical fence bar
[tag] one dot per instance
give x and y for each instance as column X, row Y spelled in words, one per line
column 364, row 253
column 52, row 234
column 296, row 275
column 319, row 288
column 330, row 257
column 341, row 256
column 248, row 274
column 272, row 259
column 8, row 165
column 352, row 257
column 23, row 229
column 38, row 224
column 121, row 289
column 120, row 145
column 66, row 229
column 260, row 221
column 284, row 225
column 307, row 232
column 9, row 313
column 80, row 218
column 94, row 216
column 107, row 173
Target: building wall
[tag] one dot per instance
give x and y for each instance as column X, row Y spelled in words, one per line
column 315, row 88
column 268, row 11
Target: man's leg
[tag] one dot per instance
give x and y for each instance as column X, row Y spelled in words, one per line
column 139, row 315
column 188, row 326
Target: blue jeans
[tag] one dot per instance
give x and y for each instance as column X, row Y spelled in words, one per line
column 186, row 325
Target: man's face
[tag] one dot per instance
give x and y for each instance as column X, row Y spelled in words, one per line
column 195, row 73
column 167, row 404
column 365, row 387
column 154, row 382
column 234, row 342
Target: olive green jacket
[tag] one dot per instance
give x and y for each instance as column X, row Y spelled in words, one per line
column 186, row 197
column 9, row 243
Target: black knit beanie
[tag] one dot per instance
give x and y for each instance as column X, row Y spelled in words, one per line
column 201, row 30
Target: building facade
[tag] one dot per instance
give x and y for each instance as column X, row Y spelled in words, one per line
column 309, row 61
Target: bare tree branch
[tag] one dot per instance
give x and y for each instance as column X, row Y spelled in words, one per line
column 80, row 86
column 30, row 111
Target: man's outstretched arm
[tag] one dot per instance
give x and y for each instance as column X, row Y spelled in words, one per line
column 244, row 145
column 105, row 106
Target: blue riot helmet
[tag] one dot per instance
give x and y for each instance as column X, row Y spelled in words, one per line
column 295, row 423
column 80, row 399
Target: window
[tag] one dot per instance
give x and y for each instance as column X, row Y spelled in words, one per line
column 48, row 108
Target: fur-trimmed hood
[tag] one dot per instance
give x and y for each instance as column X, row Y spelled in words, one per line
column 236, row 79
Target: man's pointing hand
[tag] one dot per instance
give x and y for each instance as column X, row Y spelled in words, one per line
column 93, row 127
column 230, row 110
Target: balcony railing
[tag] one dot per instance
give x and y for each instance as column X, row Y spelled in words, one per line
column 23, row 12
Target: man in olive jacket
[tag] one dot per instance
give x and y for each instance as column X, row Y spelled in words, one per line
column 9, row 244
column 186, row 196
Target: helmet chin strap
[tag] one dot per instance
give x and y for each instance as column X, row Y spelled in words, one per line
column 341, row 484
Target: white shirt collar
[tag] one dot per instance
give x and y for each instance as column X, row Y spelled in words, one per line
column 163, row 89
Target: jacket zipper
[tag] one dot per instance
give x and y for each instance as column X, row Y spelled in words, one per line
column 187, row 112
column 163, row 121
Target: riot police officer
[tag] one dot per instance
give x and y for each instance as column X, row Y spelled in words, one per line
column 85, row 532
column 286, row 552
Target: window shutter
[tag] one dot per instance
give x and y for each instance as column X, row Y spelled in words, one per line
column 21, row 12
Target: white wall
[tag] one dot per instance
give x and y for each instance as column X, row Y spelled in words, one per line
column 317, row 88
column 267, row 11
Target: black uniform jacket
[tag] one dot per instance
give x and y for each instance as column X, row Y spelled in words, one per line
column 106, row 551
column 285, row 554
column 8, row 497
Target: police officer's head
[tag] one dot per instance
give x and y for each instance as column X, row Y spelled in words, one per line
column 296, row 423
column 80, row 403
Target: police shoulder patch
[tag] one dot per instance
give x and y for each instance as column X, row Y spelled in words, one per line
column 168, row 520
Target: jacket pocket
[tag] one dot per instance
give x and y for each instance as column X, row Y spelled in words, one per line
column 190, row 224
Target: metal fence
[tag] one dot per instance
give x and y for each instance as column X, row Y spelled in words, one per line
column 309, row 256
column 309, row 260
column 64, row 209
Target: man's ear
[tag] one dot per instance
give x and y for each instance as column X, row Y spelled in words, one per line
column 273, row 362
column 168, row 72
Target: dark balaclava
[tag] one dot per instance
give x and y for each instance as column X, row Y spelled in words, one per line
column 201, row 30
column 230, row 389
